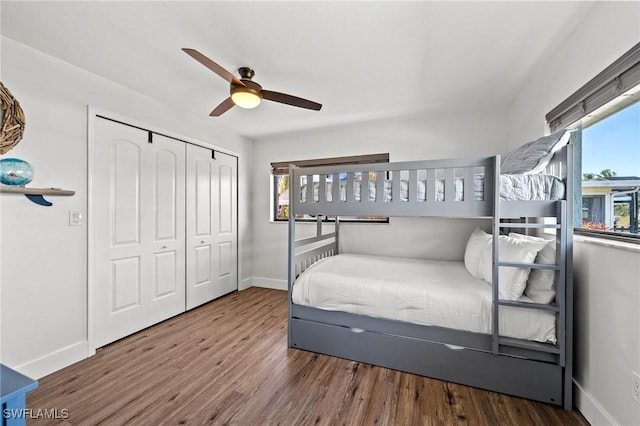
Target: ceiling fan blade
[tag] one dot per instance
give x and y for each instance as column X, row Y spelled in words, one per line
column 290, row 100
column 225, row 106
column 212, row 66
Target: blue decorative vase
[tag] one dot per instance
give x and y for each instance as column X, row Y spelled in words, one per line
column 15, row 172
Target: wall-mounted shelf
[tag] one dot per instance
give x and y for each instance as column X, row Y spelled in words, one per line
column 36, row 194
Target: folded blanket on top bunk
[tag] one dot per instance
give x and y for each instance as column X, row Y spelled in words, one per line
column 512, row 188
column 429, row 292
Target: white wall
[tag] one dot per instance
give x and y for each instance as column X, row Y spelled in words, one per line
column 43, row 260
column 419, row 137
column 608, row 31
column 607, row 279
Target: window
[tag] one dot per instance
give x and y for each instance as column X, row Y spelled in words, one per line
column 606, row 113
column 611, row 166
column 280, row 174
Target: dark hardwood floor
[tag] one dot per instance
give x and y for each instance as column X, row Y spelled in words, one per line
column 227, row 362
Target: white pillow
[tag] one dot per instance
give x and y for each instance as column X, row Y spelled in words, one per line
column 512, row 281
column 533, row 157
column 541, row 286
column 477, row 243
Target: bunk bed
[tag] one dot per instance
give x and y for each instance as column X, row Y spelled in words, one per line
column 499, row 349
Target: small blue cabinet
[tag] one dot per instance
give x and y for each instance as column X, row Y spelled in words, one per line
column 13, row 396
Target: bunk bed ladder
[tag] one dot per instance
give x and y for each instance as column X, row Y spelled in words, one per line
column 559, row 307
column 559, row 354
column 498, row 342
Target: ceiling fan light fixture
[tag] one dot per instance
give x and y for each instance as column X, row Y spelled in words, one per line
column 245, row 97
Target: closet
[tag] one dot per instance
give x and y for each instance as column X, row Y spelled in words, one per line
column 163, row 228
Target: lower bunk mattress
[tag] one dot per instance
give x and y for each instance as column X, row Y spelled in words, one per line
column 428, row 292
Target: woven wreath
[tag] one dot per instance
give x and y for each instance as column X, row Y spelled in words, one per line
column 13, row 120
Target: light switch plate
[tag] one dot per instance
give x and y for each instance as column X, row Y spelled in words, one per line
column 75, row 218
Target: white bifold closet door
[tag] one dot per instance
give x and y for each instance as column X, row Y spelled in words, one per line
column 139, row 230
column 212, row 245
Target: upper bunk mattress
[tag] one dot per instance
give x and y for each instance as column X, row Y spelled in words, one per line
column 520, row 187
column 428, row 292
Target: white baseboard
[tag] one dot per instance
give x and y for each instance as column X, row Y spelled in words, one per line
column 589, row 407
column 270, row 283
column 54, row 361
column 245, row 284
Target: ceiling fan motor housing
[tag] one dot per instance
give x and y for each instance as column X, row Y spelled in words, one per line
column 246, row 73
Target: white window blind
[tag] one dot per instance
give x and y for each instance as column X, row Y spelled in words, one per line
column 612, row 82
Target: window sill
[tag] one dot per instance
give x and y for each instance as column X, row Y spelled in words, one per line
column 603, row 242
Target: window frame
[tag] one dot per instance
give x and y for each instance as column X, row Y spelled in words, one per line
column 610, row 84
column 281, row 168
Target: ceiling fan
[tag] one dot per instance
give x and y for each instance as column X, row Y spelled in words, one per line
column 245, row 92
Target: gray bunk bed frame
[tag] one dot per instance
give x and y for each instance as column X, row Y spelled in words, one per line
column 532, row 370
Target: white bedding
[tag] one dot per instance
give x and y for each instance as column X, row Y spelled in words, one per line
column 512, row 188
column 429, row 292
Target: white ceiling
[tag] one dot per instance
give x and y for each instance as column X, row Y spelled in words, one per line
column 361, row 60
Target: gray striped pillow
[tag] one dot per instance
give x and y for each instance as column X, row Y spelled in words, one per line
column 533, row 157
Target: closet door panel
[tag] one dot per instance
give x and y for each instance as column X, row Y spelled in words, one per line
column 165, row 273
column 225, row 234
column 138, row 230
column 124, row 284
column 168, row 248
column 124, row 196
column 225, row 256
column 119, row 270
column 209, row 267
column 203, row 195
column 200, row 216
column 226, row 201
column 203, row 266
column 166, row 197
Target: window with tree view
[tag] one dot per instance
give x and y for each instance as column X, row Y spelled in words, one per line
column 611, row 166
column 606, row 113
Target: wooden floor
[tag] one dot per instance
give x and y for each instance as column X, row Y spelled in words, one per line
column 227, row 362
